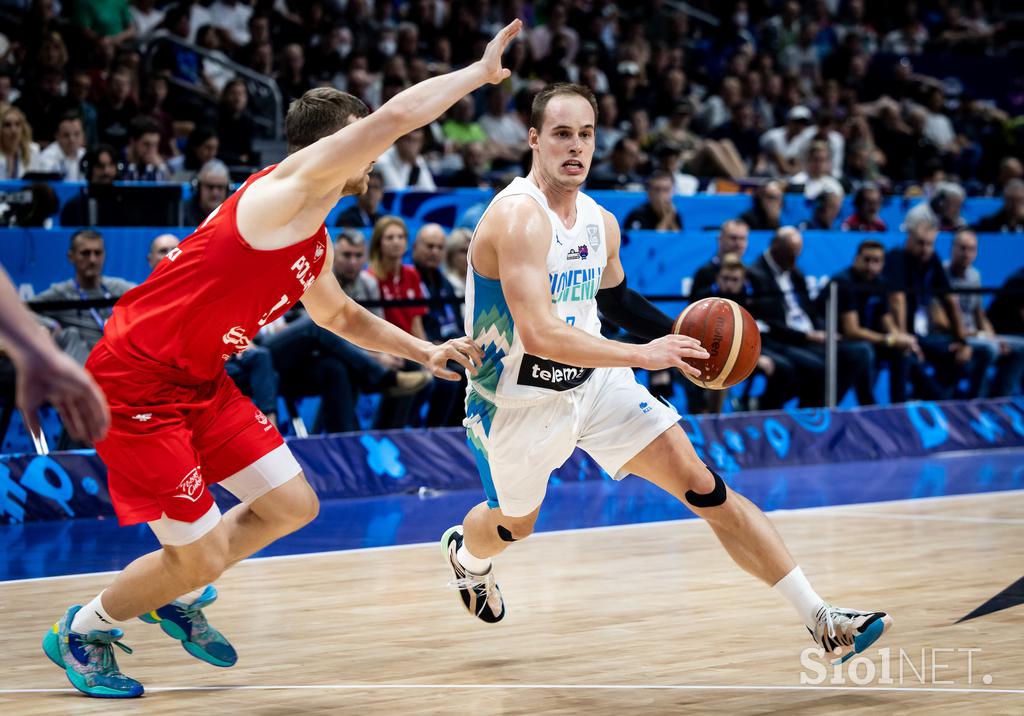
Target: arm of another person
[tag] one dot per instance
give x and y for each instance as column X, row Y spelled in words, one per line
column 46, row 374
column 276, row 199
column 332, row 309
column 517, row 235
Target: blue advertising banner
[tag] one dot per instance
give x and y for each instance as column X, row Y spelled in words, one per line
column 67, row 485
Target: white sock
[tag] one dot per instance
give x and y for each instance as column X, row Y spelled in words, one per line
column 472, row 564
column 190, row 597
column 93, row 617
column 795, row 587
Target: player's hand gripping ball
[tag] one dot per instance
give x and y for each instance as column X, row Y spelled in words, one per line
column 728, row 333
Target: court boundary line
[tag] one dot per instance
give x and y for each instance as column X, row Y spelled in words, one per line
column 549, row 687
column 800, row 511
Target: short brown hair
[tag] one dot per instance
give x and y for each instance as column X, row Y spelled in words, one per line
column 870, row 245
column 540, row 101
column 317, row 113
column 732, row 262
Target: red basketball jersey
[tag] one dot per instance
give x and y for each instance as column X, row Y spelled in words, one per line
column 206, row 300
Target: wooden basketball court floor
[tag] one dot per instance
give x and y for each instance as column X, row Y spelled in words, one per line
column 634, row 619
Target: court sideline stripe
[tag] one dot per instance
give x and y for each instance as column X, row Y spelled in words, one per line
column 549, row 687
column 822, row 510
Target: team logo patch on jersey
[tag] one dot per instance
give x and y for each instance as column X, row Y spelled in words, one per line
column 645, row 407
column 191, row 488
column 580, row 252
column 262, row 420
column 143, row 417
column 593, row 236
column 319, row 251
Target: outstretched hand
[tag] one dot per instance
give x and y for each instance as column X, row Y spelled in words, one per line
column 491, row 59
column 58, row 379
column 460, row 350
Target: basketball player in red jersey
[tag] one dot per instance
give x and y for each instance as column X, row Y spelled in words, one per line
column 179, row 423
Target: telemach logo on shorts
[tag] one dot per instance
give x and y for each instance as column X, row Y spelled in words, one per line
column 191, row 488
column 541, row 373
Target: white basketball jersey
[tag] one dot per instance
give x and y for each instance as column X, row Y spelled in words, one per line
column 575, row 262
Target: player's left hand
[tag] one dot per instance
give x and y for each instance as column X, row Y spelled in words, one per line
column 460, row 350
column 491, row 59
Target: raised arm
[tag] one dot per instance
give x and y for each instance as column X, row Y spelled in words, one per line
column 315, row 174
column 517, row 232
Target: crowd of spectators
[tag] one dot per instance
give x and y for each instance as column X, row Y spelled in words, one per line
column 828, row 99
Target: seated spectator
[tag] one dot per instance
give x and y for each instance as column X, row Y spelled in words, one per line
column 210, row 191
column 397, row 281
column 473, row 173
column 781, row 146
column 766, row 212
column 506, row 132
column 87, row 254
column 142, row 158
column 915, row 275
column 117, row 109
column 620, row 171
column 608, row 131
column 160, row 247
column 826, row 211
column 669, row 159
column 202, row 146
column 43, row 101
column 865, row 316
column 99, row 168
column 235, row 127
column 403, row 166
column 741, row 131
column 1010, row 217
column 441, row 322
column 867, row 205
column 64, row 155
column 817, row 178
column 733, row 238
column 349, row 259
column 792, row 327
column 456, row 260
column 461, row 126
column 18, row 153
column 1006, row 352
column 659, row 213
column 146, row 17
column 366, row 211
column 942, row 209
column 292, row 79
column 80, row 101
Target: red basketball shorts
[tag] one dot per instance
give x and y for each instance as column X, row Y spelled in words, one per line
column 168, row 442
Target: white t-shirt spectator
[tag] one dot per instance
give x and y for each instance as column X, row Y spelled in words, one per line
column 233, row 18
column 17, row 168
column 399, row 175
column 53, row 159
column 836, row 143
column 939, row 129
column 774, row 142
column 146, row 22
column 814, row 186
column 540, row 42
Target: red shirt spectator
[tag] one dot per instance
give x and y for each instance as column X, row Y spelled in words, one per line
column 397, row 281
column 855, row 222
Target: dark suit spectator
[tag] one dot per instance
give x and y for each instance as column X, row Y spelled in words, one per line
column 864, row 315
column 915, row 276
column 366, row 210
column 1007, row 309
column 766, row 211
column 87, row 254
column 117, row 109
column 792, row 326
column 1009, row 218
column 235, row 126
column 440, row 323
column 101, row 169
column 659, row 213
column 733, row 238
column 142, row 157
column 867, row 203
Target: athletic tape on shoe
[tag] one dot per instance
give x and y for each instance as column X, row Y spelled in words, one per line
column 710, row 499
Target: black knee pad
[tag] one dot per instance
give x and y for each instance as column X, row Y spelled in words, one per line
column 710, row 499
column 505, row 535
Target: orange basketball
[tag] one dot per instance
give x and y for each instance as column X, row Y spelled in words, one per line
column 728, row 333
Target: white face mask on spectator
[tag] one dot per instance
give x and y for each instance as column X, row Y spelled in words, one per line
column 387, row 47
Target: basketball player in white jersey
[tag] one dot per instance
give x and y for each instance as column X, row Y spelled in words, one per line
column 543, row 258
